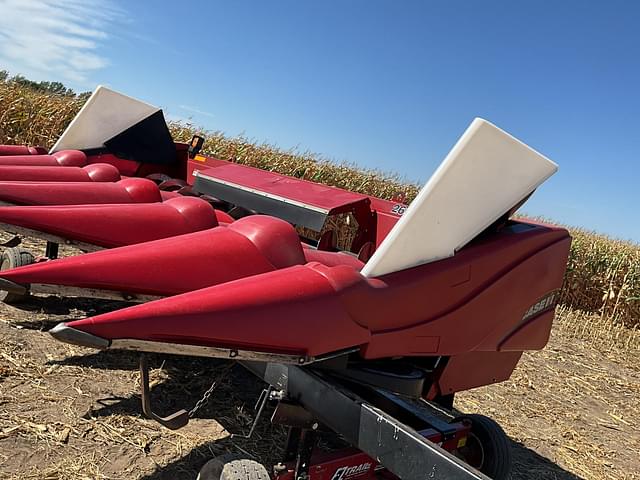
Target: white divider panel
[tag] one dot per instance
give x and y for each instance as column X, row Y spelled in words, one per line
column 485, row 175
column 105, row 114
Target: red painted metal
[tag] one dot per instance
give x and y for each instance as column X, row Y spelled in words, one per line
column 100, row 172
column 332, row 259
column 375, row 217
column 223, row 217
column 182, row 263
column 475, row 369
column 168, row 195
column 352, row 464
column 265, row 292
column 251, row 285
column 373, row 223
column 115, row 225
column 64, row 158
column 387, row 215
column 317, row 195
column 132, row 168
column 177, row 264
column 126, row 167
column 129, row 190
column 468, row 303
column 21, row 150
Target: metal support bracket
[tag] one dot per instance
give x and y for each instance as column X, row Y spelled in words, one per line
column 52, row 250
column 174, row 421
column 308, row 440
column 265, row 396
column 181, row 418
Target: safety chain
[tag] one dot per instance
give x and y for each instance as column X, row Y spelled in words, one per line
column 205, row 398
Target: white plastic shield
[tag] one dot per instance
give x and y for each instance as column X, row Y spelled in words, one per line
column 103, row 116
column 485, row 175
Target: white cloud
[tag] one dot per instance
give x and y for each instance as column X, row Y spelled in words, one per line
column 55, row 39
column 170, row 117
column 196, row 110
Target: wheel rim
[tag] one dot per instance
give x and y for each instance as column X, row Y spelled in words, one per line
column 473, row 452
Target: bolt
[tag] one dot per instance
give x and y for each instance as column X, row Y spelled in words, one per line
column 276, row 395
column 279, row 468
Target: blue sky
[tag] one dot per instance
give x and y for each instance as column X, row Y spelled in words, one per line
column 384, row 84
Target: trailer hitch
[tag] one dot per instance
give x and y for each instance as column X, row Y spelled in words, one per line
column 174, row 421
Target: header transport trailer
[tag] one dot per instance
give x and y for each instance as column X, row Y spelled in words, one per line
column 369, row 337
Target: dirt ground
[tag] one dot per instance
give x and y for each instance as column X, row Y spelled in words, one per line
column 572, row 410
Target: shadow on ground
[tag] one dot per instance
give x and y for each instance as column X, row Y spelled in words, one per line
column 528, row 465
column 54, row 305
column 103, row 360
column 184, row 380
column 185, row 383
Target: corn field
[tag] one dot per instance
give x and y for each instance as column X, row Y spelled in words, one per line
column 603, row 274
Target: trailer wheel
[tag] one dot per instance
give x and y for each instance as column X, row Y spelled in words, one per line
column 230, row 467
column 487, row 448
column 13, row 258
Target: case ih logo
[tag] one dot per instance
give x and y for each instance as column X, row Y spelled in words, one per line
column 545, row 303
column 348, row 472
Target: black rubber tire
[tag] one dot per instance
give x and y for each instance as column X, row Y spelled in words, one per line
column 496, row 458
column 172, row 185
column 13, row 258
column 158, row 178
column 230, row 467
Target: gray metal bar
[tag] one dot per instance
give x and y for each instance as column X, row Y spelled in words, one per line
column 66, row 291
column 397, row 447
column 405, row 452
column 291, row 211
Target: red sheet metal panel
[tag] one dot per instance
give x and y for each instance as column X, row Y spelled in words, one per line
column 466, row 303
column 21, row 150
column 64, row 158
column 114, row 225
column 375, row 216
column 206, row 258
column 129, row 190
column 98, row 172
column 275, row 184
